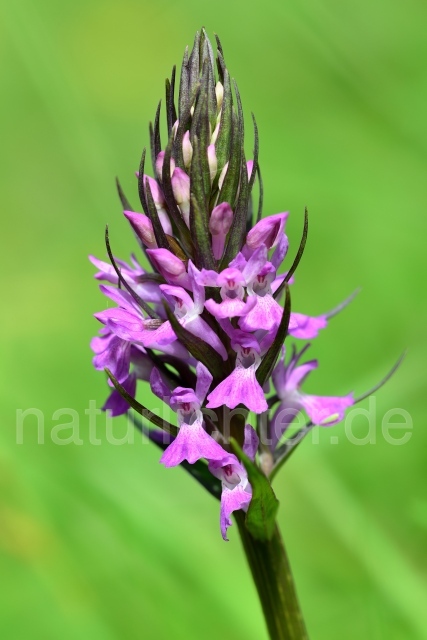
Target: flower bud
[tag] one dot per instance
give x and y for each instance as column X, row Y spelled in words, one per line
column 175, row 128
column 156, row 192
column 181, row 191
column 219, row 225
column 213, row 164
column 222, row 176
column 170, row 266
column 159, row 165
column 219, row 92
column 187, row 149
column 249, row 167
column 143, row 228
column 214, row 136
column 267, row 231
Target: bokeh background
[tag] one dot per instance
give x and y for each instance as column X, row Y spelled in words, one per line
column 99, row 541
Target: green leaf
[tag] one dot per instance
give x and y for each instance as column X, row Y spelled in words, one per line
column 170, row 101
column 269, row 360
column 184, row 89
column 232, row 177
column 139, row 408
column 161, row 239
column 255, row 156
column 125, row 202
column 200, row 130
column 183, row 126
column 155, row 141
column 261, row 515
column 237, row 233
column 194, row 62
column 175, row 214
column 223, row 142
column 261, row 194
column 199, row 211
column 141, row 189
column 199, row 349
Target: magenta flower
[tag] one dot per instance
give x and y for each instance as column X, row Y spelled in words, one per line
column 192, row 441
column 236, row 490
column 322, row 410
column 241, row 386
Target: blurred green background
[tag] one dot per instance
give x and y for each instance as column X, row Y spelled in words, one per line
column 99, row 541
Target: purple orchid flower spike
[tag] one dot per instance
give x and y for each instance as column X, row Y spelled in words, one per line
column 241, row 386
column 219, row 267
column 192, row 441
column 236, row 490
column 322, row 410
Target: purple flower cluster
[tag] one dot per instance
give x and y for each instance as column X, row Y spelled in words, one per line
column 203, row 324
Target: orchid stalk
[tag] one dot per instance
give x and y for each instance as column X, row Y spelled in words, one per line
column 207, row 324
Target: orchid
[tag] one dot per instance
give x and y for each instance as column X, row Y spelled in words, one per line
column 203, row 320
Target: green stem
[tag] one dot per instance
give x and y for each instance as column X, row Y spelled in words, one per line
column 273, row 578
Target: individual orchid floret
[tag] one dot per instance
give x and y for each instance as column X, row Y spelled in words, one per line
column 148, row 290
column 307, row 327
column 232, row 282
column 111, row 352
column 241, row 386
column 107, row 272
column 143, row 228
column 181, row 192
column 188, row 312
column 266, row 313
column 187, row 149
column 219, row 225
column 322, row 410
column 236, row 490
column 170, row 266
column 192, row 441
column 267, row 231
column 232, row 292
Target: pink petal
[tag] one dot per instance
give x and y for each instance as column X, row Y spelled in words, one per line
column 191, row 444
